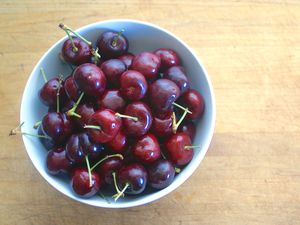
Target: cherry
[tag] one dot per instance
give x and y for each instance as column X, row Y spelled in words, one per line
column 146, row 149
column 112, row 44
column 112, row 99
column 90, row 79
column 113, row 68
column 80, row 54
column 161, row 174
column 57, row 126
column 142, row 125
column 103, row 126
column 48, row 143
column 168, row 57
column 194, row 101
column 131, row 179
column 188, row 128
column 109, row 166
column 57, row 162
column 127, row 59
column 66, row 106
column 81, row 184
column 179, row 149
column 119, row 143
column 162, row 124
column 146, row 63
column 48, row 93
column 162, row 94
column 133, row 85
column 79, row 145
column 85, row 110
column 72, row 91
column 177, row 75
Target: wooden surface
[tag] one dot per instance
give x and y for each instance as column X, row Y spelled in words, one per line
column 251, row 49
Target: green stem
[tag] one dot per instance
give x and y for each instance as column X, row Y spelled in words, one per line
column 127, row 117
column 37, row 124
column 66, row 28
column 175, row 127
column 181, row 107
column 115, row 182
column 105, row 158
column 121, row 193
column 114, row 43
column 92, row 127
column 192, row 146
column 89, row 170
column 43, row 74
column 71, row 112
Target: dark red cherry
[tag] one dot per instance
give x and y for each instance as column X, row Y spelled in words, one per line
column 85, row 110
column 142, row 125
column 48, row 143
column 161, row 174
column 134, row 176
column 57, row 162
column 176, row 148
column 188, row 128
column 48, row 93
column 79, row 145
column 68, row 104
column 106, row 168
column 112, row 44
column 146, row 149
column 72, row 91
column 90, row 79
column 119, row 143
column 111, row 99
column 108, row 126
column 177, row 75
column 113, row 68
column 81, row 55
column 146, row 63
column 57, row 126
column 194, row 101
column 168, row 57
column 80, row 183
column 133, row 85
column 127, row 59
column 162, row 125
column 162, row 93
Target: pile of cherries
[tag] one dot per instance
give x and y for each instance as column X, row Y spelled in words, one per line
column 121, row 120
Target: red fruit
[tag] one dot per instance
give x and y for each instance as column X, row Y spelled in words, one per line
column 119, row 143
column 194, row 101
column 177, row 75
column 188, row 128
column 85, row 110
column 57, row 162
column 162, row 126
column 48, row 93
column 113, row 68
column 127, row 59
column 107, row 167
column 112, row 99
column 71, row 88
column 168, row 57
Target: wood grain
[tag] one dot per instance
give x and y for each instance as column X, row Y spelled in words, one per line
column 251, row 49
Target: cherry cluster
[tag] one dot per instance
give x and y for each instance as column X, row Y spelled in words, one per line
column 119, row 120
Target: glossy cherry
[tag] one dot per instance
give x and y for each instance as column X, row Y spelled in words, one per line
column 168, row 57
column 82, row 54
column 80, row 183
column 142, row 125
column 177, row 147
column 57, row 126
column 119, row 143
column 127, row 59
column 134, row 176
column 90, row 79
column 146, row 149
column 162, row 125
column 194, row 101
column 162, row 93
column 79, row 145
column 108, row 126
column 177, row 75
column 161, row 174
column 48, row 93
column 111, row 99
column 72, row 91
column 146, row 63
column 48, row 143
column 57, row 162
column 113, row 68
column 112, row 44
column 85, row 110
column 133, row 85
column 189, row 128
column 107, row 167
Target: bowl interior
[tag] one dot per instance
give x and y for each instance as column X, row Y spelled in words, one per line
column 142, row 37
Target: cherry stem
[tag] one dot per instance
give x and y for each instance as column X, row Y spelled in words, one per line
column 181, row 107
column 115, row 182
column 121, row 193
column 17, row 130
column 127, row 117
column 175, row 127
column 105, row 158
column 43, row 74
column 174, row 123
column 163, row 155
column 60, row 79
column 89, row 170
column 177, row 170
column 96, row 55
column 191, row 147
column 67, row 29
column 71, row 112
column 114, row 43
column 92, row 127
column 37, row 124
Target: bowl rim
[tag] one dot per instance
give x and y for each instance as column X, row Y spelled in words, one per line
column 160, row 193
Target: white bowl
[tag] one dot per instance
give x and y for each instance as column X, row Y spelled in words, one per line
column 142, row 36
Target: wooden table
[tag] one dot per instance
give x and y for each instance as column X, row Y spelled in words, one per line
column 251, row 49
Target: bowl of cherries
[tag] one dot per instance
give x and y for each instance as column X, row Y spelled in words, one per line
column 117, row 114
